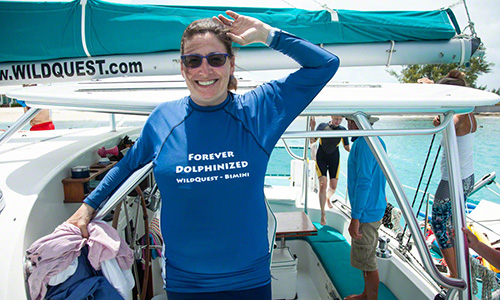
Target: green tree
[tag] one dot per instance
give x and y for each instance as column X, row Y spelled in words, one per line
column 497, row 91
column 412, row 73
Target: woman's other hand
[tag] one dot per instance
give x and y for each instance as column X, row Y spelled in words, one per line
column 244, row 30
column 81, row 218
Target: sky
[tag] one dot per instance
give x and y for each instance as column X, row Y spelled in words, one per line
column 483, row 13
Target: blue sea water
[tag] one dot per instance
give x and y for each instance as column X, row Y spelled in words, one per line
column 408, row 155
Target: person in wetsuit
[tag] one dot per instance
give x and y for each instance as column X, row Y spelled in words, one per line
column 328, row 160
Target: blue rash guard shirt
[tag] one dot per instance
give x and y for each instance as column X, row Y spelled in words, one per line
column 210, row 163
column 365, row 183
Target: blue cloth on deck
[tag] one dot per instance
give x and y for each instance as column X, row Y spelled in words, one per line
column 86, row 283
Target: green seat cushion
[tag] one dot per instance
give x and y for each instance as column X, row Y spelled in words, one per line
column 385, row 293
column 335, row 257
column 325, row 234
column 335, row 254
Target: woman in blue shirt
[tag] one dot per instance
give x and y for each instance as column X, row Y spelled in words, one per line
column 210, row 152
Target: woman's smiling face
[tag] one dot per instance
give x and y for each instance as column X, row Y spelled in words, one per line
column 207, row 84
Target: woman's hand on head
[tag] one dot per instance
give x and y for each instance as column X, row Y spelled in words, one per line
column 244, row 30
column 81, row 218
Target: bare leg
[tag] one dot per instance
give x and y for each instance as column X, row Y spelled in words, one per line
column 371, row 287
column 331, row 191
column 451, row 261
column 322, row 198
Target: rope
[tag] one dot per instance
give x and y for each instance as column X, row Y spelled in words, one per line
column 428, row 181
column 387, row 218
column 452, row 5
column 396, row 219
column 487, row 276
column 288, row 3
column 471, row 24
column 326, row 7
column 492, row 191
column 421, row 177
column 392, row 218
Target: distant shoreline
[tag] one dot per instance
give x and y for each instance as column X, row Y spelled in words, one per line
column 11, row 114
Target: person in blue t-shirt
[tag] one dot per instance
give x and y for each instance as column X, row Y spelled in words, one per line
column 210, row 152
column 366, row 185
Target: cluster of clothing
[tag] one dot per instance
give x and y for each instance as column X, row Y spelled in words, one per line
column 64, row 265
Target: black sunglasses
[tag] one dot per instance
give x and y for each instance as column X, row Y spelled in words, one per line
column 195, row 60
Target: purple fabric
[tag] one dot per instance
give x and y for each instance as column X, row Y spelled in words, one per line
column 53, row 253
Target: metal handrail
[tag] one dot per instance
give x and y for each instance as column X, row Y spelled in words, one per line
column 23, row 120
column 293, row 155
column 457, row 207
column 305, row 169
column 125, row 188
column 375, row 132
column 396, row 187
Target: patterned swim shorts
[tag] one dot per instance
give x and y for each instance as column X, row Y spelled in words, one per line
column 442, row 220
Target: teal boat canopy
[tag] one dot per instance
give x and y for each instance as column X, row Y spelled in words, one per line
column 34, row 31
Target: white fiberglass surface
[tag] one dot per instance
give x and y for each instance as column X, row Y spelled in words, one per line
column 142, row 97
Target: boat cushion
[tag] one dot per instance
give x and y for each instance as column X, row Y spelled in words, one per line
column 346, row 279
column 325, row 234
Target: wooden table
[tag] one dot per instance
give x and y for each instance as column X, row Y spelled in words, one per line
column 293, row 224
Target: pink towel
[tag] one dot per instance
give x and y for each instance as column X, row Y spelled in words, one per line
column 53, row 253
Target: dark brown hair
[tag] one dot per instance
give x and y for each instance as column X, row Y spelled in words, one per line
column 209, row 25
column 454, row 77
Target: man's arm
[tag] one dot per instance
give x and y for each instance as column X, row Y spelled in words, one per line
column 354, row 229
column 364, row 180
column 488, row 253
column 345, row 141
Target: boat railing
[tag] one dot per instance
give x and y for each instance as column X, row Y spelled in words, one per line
column 23, row 120
column 2, row 202
column 484, row 182
column 461, row 285
column 125, row 188
column 290, row 152
column 368, row 133
column 469, row 205
column 31, row 113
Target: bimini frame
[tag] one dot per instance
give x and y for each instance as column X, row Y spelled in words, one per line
column 460, row 286
column 140, row 97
